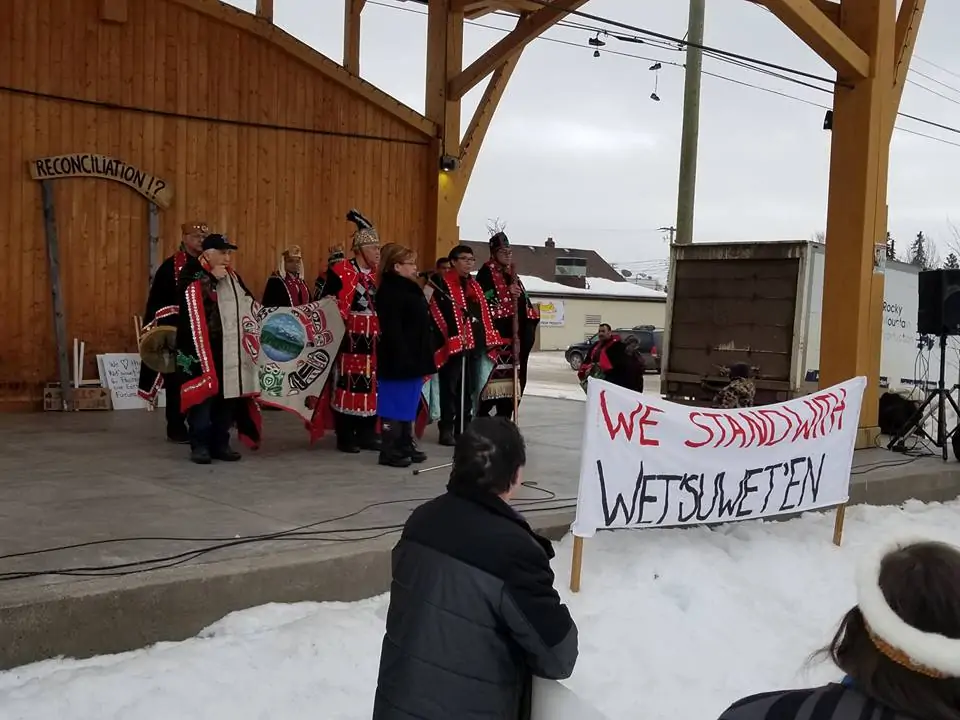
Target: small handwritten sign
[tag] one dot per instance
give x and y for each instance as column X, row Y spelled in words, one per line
column 120, row 373
column 101, row 166
column 651, row 463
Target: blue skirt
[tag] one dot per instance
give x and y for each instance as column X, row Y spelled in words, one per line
column 399, row 399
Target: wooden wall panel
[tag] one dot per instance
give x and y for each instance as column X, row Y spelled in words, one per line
column 256, row 142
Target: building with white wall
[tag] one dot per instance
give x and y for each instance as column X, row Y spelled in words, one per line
column 571, row 314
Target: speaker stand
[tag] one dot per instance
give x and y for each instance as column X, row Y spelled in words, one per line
column 942, row 396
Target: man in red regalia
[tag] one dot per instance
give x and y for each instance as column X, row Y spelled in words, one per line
column 353, row 389
column 163, row 306
column 286, row 287
column 465, row 327
column 510, row 307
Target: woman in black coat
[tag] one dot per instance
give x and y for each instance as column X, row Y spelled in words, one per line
column 405, row 356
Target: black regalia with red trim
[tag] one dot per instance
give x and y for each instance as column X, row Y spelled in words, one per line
column 496, row 279
column 287, row 289
column 200, row 348
column 336, row 255
column 353, row 385
column 163, row 306
column 453, row 296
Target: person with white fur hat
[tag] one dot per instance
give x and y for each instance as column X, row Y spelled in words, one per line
column 899, row 647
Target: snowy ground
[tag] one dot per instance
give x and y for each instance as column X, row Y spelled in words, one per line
column 674, row 625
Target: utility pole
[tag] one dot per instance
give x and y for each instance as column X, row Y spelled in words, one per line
column 691, row 123
column 671, row 232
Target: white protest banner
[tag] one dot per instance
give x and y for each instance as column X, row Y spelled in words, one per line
column 553, row 700
column 651, row 463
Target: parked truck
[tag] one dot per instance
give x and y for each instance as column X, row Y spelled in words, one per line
column 761, row 303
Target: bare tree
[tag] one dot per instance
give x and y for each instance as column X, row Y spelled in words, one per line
column 495, row 225
column 820, row 236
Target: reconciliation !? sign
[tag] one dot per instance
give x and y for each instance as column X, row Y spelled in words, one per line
column 651, row 463
column 101, row 166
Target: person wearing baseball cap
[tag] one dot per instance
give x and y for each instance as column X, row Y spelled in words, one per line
column 200, row 354
column 162, row 309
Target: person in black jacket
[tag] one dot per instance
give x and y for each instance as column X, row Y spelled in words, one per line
column 899, row 646
column 473, row 612
column 404, row 354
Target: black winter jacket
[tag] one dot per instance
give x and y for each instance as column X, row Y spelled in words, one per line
column 473, row 615
column 406, row 343
column 829, row 702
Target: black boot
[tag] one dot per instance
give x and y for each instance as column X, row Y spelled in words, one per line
column 200, row 455
column 178, row 434
column 446, row 435
column 408, row 444
column 346, row 430
column 226, row 454
column 391, row 450
column 369, row 439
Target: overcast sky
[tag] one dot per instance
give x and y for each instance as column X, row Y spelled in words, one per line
column 578, row 150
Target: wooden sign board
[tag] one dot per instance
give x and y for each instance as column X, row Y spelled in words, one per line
column 100, row 166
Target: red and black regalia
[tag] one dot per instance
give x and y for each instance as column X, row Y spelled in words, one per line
column 336, row 255
column 284, row 288
column 353, row 388
column 465, row 333
column 163, row 307
column 508, row 311
column 200, row 362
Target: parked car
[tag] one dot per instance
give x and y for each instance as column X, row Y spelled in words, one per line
column 649, row 337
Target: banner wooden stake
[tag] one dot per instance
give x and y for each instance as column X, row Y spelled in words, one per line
column 576, row 567
column 838, row 525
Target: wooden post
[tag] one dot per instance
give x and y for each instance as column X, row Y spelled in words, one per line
column 153, row 237
column 857, row 206
column 351, row 35
column 576, row 566
column 444, row 63
column 56, row 292
column 838, row 525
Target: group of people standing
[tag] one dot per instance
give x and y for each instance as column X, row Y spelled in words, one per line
column 466, row 338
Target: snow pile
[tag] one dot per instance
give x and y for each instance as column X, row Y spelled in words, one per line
column 595, row 286
column 674, row 625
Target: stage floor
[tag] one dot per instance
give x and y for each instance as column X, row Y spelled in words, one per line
column 111, row 479
column 102, row 476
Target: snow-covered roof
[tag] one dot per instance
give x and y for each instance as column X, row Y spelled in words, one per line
column 595, row 286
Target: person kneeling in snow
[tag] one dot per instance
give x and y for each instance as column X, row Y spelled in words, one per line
column 473, row 612
column 899, row 647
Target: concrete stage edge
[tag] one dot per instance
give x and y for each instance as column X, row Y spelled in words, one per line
column 96, row 477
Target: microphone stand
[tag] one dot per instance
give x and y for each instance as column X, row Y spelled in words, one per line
column 463, row 373
column 516, row 347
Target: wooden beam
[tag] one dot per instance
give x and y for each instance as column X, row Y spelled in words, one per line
column 114, row 11
column 265, row 10
column 351, row 35
column 311, row 58
column 908, row 25
column 823, row 36
column 528, row 27
column 444, row 61
column 828, row 7
column 856, row 211
column 480, row 123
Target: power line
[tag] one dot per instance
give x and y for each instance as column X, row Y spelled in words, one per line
column 739, row 61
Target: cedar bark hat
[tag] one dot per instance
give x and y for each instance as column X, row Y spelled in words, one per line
column 365, row 235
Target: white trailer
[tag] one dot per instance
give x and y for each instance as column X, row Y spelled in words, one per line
column 906, row 362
